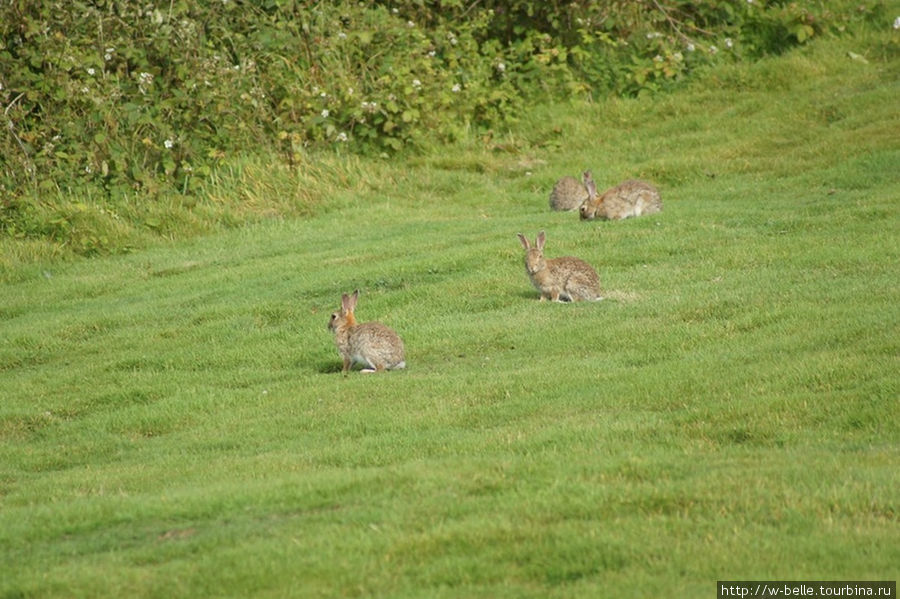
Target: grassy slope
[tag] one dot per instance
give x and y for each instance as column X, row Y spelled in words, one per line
column 174, row 423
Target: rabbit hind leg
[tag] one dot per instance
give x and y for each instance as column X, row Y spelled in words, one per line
column 372, row 367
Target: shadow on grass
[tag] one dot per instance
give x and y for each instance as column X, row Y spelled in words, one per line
column 536, row 297
column 334, row 367
column 329, row 367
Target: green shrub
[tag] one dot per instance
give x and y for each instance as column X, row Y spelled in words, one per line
column 106, row 99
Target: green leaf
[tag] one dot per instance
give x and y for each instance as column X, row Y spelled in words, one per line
column 803, row 32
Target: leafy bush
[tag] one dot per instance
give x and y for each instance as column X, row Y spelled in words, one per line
column 110, row 98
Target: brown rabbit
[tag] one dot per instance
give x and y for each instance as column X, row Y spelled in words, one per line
column 631, row 198
column 371, row 343
column 568, row 194
column 566, row 278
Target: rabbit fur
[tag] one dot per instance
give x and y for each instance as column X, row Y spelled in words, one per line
column 631, row 198
column 565, row 278
column 372, row 344
column 568, row 194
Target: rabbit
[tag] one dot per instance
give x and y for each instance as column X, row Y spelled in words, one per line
column 568, row 194
column 371, row 344
column 567, row 278
column 631, row 198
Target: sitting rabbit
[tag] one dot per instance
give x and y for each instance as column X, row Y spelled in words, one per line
column 631, row 198
column 566, row 278
column 568, row 194
column 371, row 344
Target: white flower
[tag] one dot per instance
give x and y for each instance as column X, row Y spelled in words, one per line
column 432, row 53
column 107, row 56
column 713, row 49
column 410, row 24
column 897, row 23
column 85, row 90
column 342, row 35
column 416, row 83
column 657, row 58
column 168, row 143
column 91, row 71
column 728, row 42
column 501, row 67
column 349, row 91
column 456, row 88
column 394, row 10
column 653, row 34
column 678, row 56
column 325, row 113
column 88, row 169
column 323, row 95
column 342, row 136
column 145, row 78
column 690, row 48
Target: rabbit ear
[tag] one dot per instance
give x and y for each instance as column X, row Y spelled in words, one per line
column 589, row 184
column 345, row 304
column 541, row 238
column 353, row 299
column 524, row 241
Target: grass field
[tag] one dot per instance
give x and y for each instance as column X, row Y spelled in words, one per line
column 174, row 422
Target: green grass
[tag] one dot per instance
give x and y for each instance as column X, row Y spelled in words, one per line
column 174, row 422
